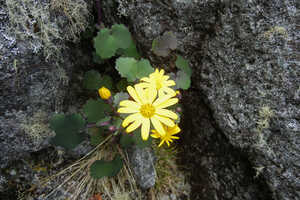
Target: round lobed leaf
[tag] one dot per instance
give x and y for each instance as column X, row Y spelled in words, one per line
column 92, row 80
column 121, row 35
column 67, row 129
column 95, row 110
column 183, row 64
column 182, row 80
column 105, row 44
column 127, row 67
column 101, row 168
column 162, row 45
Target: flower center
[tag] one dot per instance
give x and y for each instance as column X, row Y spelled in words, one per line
column 147, row 110
column 158, row 84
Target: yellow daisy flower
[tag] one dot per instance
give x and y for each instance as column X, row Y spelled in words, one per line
column 168, row 137
column 159, row 81
column 147, row 108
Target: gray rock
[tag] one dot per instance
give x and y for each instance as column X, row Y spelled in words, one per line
column 142, row 163
column 35, row 69
column 242, row 112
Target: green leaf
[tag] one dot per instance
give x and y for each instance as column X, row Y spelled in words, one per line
column 106, row 81
column 95, row 110
column 182, row 80
column 102, row 168
column 163, row 45
column 122, row 85
column 131, row 51
column 96, row 135
column 105, row 44
column 127, row 140
column 132, row 69
column 120, row 97
column 92, row 80
column 127, row 67
column 121, row 35
column 139, row 142
column 67, row 129
column 144, row 68
column 97, row 59
column 183, row 64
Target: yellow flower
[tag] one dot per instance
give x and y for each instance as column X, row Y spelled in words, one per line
column 104, row 93
column 159, row 81
column 147, row 108
column 168, row 137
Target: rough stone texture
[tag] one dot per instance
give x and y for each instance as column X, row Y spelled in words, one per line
column 142, row 162
column 31, row 87
column 243, row 108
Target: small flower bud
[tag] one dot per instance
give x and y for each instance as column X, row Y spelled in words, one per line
column 104, row 93
column 112, row 128
column 179, row 109
column 178, row 94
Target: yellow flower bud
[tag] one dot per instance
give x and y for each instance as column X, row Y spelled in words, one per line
column 104, row 93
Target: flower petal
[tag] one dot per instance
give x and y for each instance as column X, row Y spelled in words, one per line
column 127, row 110
column 166, row 113
column 174, row 130
column 161, row 143
column 131, row 118
column 133, row 126
column 155, row 134
column 161, row 99
column 167, row 103
column 146, row 79
column 170, row 83
column 145, row 128
column 133, row 94
column 158, row 126
column 167, row 91
column 165, row 120
column 152, row 93
column 129, row 103
column 141, row 93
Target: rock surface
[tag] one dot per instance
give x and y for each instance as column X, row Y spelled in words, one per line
column 242, row 127
column 142, row 161
column 34, row 77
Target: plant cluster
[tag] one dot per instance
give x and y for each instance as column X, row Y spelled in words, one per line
column 143, row 103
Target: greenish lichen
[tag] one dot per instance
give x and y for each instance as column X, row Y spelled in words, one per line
column 44, row 24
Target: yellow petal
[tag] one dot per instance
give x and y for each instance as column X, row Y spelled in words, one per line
column 146, row 79
column 144, row 85
column 174, row 130
column 175, row 137
column 164, row 78
column 127, row 110
column 165, row 120
column 155, row 134
column 129, row 103
column 145, row 128
column 133, row 126
column 152, row 93
column 141, row 93
column 161, row 143
column 162, row 71
column 166, row 113
column 133, row 94
column 131, row 118
column 167, row 91
column 170, row 83
column 161, row 99
column 167, row 103
column 158, row 126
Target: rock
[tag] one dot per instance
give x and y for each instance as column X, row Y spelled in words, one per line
column 242, row 112
column 36, row 67
column 142, row 163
